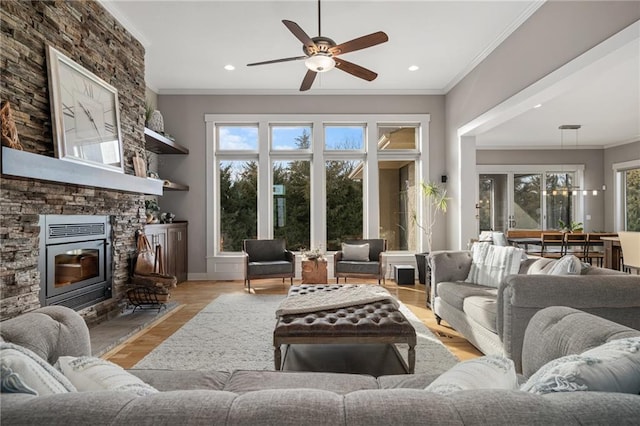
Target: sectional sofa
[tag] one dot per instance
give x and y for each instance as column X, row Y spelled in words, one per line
column 494, row 318
column 289, row 398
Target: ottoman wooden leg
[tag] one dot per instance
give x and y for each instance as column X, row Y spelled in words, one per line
column 277, row 357
column 412, row 358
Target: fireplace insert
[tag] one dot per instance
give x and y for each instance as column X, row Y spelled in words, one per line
column 75, row 260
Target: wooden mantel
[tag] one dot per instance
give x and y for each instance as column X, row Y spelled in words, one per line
column 28, row 165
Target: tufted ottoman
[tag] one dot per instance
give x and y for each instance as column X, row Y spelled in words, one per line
column 374, row 323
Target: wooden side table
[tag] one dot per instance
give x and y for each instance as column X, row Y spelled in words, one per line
column 314, row 271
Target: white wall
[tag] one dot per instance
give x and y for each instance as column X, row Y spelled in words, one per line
column 184, row 119
column 557, row 33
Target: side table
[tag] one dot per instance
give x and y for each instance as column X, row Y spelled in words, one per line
column 314, row 271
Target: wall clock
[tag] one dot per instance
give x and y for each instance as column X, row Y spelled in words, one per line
column 85, row 114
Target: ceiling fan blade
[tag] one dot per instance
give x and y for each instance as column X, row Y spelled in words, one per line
column 274, row 61
column 360, row 43
column 301, row 35
column 355, row 70
column 307, row 81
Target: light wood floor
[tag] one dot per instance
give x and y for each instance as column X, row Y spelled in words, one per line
column 195, row 295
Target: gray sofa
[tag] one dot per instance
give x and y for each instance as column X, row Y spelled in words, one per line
column 494, row 319
column 289, row 398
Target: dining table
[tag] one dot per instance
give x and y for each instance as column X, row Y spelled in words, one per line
column 612, row 252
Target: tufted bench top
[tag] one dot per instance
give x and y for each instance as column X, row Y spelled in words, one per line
column 377, row 322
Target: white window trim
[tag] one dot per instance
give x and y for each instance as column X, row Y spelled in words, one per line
column 619, row 190
column 222, row 265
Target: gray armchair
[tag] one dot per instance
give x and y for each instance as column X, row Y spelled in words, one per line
column 361, row 268
column 267, row 259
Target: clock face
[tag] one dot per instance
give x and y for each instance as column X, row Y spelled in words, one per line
column 86, row 116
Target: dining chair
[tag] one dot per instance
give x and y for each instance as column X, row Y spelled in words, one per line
column 595, row 248
column 576, row 244
column 630, row 245
column 552, row 244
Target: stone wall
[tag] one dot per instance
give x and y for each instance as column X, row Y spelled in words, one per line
column 89, row 35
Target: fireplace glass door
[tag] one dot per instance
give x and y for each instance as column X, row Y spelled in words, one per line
column 75, row 265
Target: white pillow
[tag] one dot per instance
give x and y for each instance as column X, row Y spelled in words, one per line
column 25, row 372
column 566, row 265
column 488, row 372
column 491, row 264
column 88, row 374
column 359, row 252
column 611, row 367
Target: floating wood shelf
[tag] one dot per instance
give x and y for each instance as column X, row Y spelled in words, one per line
column 173, row 186
column 160, row 144
column 34, row 166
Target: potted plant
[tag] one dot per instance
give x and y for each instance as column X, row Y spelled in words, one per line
column 571, row 226
column 435, row 198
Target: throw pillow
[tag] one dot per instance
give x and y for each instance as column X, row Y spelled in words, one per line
column 488, row 372
column 490, row 264
column 358, row 252
column 22, row 371
column 566, row 265
column 611, row 367
column 88, row 374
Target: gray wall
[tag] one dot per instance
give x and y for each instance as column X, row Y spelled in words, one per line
column 555, row 34
column 184, row 118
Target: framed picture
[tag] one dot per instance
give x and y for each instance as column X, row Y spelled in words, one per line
column 85, row 114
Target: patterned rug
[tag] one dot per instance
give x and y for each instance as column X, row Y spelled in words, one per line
column 235, row 332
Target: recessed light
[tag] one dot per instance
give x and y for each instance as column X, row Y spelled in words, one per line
column 229, row 67
column 537, row 106
column 414, row 68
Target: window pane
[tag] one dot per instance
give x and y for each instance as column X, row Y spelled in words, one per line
column 397, row 191
column 291, row 203
column 290, row 137
column 238, row 138
column 238, row 203
column 560, row 200
column 632, row 199
column 526, row 201
column 390, row 138
column 344, row 202
column 344, row 137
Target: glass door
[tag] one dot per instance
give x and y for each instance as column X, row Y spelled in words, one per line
column 493, row 199
column 525, row 212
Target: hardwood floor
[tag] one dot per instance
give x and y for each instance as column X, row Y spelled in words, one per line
column 195, row 295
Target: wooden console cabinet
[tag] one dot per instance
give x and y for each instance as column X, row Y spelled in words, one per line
column 172, row 237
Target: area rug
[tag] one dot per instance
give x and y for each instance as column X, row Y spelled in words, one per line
column 235, row 332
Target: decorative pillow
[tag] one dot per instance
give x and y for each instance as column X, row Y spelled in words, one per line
column 359, row 252
column 491, row 264
column 488, row 372
column 88, row 373
column 611, row 367
column 566, row 265
column 22, row 371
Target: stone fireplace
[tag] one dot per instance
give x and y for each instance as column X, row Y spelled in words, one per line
column 88, row 34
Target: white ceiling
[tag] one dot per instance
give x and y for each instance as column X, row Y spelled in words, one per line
column 188, row 43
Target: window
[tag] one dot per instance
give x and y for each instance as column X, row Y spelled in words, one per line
column 291, row 203
column 314, row 180
column 632, row 199
column 344, row 201
column 238, row 203
column 559, row 199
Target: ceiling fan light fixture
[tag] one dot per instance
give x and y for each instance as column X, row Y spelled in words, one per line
column 320, row 62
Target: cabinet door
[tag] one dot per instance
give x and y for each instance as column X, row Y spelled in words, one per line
column 177, row 252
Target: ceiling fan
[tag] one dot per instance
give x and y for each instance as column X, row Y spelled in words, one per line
column 321, row 53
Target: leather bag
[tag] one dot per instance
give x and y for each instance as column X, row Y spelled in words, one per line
column 146, row 258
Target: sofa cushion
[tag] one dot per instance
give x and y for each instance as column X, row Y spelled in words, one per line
column 490, row 264
column 170, row 380
column 370, row 268
column 356, row 252
column 454, row 293
column 483, row 310
column 242, row 381
column 611, row 367
column 25, row 372
column 89, row 373
column 488, row 372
